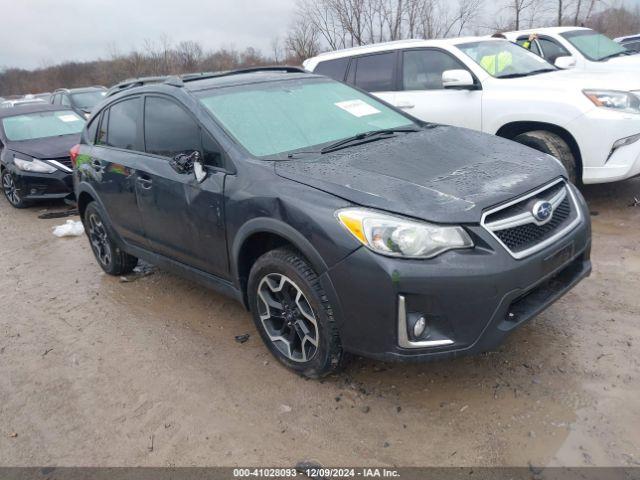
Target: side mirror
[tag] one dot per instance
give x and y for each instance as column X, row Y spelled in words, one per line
column 198, row 168
column 565, row 62
column 461, row 79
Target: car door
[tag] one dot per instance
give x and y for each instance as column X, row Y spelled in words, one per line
column 183, row 219
column 113, row 163
column 423, row 95
column 375, row 73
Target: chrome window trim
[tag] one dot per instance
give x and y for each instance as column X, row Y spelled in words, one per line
column 545, row 243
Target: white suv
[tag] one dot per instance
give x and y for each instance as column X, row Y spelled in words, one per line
column 590, row 122
column 577, row 47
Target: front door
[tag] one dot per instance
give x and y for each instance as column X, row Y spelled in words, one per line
column 183, row 219
column 423, row 96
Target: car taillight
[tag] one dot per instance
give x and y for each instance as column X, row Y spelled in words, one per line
column 73, row 153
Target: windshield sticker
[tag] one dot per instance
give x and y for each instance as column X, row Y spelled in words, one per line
column 357, row 108
column 68, row 118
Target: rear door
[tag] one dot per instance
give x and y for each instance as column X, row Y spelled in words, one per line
column 423, row 96
column 183, row 219
column 114, row 160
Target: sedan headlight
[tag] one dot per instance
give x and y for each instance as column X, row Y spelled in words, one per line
column 396, row 236
column 617, row 100
column 35, row 165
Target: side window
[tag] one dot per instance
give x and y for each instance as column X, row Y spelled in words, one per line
column 422, row 69
column 65, row 100
column 335, row 69
column 56, row 99
column 633, row 46
column 374, row 73
column 532, row 46
column 101, row 138
column 168, row 128
column 552, row 50
column 92, row 129
column 124, row 120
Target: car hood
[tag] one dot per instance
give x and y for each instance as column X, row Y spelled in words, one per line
column 441, row 174
column 51, row 147
column 631, row 63
column 580, row 79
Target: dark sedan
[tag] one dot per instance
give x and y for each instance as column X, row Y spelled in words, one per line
column 34, row 152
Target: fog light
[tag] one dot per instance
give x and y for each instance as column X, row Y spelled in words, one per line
column 419, row 327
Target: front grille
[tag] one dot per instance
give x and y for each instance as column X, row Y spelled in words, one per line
column 518, row 230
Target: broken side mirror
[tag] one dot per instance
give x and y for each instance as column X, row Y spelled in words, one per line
column 198, row 168
column 182, row 163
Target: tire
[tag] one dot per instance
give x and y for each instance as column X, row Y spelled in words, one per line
column 10, row 190
column 288, row 332
column 110, row 257
column 554, row 145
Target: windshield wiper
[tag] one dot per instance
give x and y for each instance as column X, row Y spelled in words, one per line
column 526, row 74
column 345, row 142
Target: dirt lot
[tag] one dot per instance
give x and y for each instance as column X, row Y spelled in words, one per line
column 99, row 371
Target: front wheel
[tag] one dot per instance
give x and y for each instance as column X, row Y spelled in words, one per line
column 11, row 191
column 554, row 145
column 110, row 257
column 293, row 315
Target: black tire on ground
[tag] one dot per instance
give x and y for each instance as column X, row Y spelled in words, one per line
column 552, row 144
column 11, row 193
column 110, row 257
column 291, row 319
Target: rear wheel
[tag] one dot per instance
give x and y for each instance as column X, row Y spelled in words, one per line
column 293, row 315
column 11, row 191
column 110, row 257
column 554, row 145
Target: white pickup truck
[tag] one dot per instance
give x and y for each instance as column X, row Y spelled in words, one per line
column 589, row 121
column 577, row 47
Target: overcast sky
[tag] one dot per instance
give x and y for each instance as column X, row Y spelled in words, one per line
column 36, row 33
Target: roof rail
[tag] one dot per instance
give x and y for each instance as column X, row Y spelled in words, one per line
column 179, row 80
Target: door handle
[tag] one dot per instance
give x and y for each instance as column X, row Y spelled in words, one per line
column 145, row 182
column 97, row 164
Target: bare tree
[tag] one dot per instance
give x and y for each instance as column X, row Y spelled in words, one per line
column 302, row 40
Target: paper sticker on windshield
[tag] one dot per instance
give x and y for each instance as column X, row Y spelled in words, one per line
column 68, row 118
column 357, row 108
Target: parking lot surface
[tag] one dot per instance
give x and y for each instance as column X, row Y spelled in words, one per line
column 145, row 370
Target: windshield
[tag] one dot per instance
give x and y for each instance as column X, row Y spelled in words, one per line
column 277, row 117
column 41, row 125
column 594, row 45
column 503, row 59
column 88, row 100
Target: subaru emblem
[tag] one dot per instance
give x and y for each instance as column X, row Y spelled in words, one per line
column 542, row 211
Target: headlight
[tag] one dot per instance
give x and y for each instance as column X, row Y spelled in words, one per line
column 623, row 101
column 401, row 237
column 35, row 165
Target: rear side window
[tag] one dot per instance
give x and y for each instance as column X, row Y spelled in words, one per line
column 335, row 69
column 92, row 129
column 422, row 69
column 169, row 129
column 124, row 119
column 375, row 73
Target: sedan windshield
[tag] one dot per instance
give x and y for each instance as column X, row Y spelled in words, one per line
column 503, row 59
column 274, row 118
column 594, row 45
column 88, row 100
column 41, row 125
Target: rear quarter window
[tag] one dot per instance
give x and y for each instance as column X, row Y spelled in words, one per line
column 123, row 126
column 336, row 69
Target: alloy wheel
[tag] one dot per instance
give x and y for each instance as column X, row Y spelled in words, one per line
column 99, row 240
column 287, row 317
column 10, row 189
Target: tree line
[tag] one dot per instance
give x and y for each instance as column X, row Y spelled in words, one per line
column 320, row 25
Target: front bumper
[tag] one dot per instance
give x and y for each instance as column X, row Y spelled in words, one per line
column 474, row 298
column 43, row 186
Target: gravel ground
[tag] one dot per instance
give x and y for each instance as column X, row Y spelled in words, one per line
column 144, row 370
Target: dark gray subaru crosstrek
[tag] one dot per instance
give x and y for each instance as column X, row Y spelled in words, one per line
column 343, row 224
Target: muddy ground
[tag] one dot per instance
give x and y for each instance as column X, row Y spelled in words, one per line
column 99, row 371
